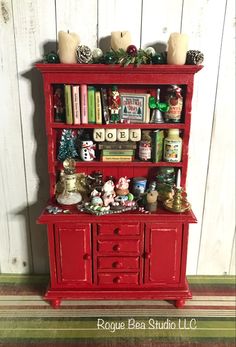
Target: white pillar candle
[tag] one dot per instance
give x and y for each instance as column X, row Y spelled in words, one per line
column 177, row 49
column 67, row 44
column 178, row 179
column 120, row 39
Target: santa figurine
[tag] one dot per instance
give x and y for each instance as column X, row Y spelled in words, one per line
column 108, row 193
column 114, row 105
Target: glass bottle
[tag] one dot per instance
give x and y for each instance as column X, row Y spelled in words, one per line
column 173, row 146
column 175, row 101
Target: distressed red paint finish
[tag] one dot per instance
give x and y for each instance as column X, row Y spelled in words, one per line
column 132, row 255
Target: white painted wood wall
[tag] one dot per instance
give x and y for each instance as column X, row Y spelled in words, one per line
column 28, row 29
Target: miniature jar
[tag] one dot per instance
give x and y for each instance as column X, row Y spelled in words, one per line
column 175, row 101
column 173, row 146
column 145, row 150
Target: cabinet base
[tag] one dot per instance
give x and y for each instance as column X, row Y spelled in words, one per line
column 178, row 295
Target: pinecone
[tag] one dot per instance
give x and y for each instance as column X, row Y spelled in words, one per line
column 84, row 54
column 194, row 57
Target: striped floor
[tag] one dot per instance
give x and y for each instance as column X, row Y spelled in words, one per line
column 27, row 320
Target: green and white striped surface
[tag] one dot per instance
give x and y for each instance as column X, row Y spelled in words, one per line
column 27, row 320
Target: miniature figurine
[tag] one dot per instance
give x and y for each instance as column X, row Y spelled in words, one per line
column 87, row 151
column 108, row 193
column 114, row 105
column 122, row 187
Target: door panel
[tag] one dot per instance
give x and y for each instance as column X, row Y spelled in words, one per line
column 163, row 253
column 73, row 247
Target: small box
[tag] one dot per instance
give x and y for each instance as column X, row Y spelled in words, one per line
column 111, row 135
column 135, row 134
column 123, row 135
column 99, row 135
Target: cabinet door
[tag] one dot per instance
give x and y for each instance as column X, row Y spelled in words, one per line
column 162, row 253
column 73, row 253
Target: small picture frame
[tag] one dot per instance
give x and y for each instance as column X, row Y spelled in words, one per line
column 134, row 108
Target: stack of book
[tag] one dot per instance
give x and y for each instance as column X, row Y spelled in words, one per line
column 117, row 151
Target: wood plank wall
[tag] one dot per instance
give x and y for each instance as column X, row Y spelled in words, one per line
column 28, row 29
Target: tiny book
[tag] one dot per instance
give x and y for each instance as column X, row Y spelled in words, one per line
column 105, row 109
column 91, row 105
column 76, row 104
column 98, row 107
column 117, row 158
column 117, row 145
column 68, row 104
column 158, row 137
column 83, row 104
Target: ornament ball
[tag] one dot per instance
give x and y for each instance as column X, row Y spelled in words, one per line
column 97, row 53
column 132, row 50
column 150, row 50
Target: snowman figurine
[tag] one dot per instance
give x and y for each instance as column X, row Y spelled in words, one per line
column 87, row 150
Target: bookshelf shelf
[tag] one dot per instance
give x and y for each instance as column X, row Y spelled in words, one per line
column 119, row 126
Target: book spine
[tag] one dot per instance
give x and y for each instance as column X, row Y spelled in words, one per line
column 117, row 145
column 158, row 145
column 105, row 109
column 68, row 104
column 117, row 158
column 76, row 104
column 147, row 110
column 114, row 152
column 98, row 107
column 83, row 104
column 91, row 105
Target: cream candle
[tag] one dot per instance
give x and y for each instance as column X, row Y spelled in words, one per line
column 177, row 49
column 67, row 44
column 178, row 186
column 120, row 39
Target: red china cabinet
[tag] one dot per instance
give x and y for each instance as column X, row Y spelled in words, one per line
column 131, row 255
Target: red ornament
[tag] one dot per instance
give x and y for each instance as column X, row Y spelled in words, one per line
column 132, row 50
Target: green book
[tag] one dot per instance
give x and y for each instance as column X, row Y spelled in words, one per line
column 117, row 145
column 68, row 104
column 91, row 105
column 157, row 145
column 119, row 152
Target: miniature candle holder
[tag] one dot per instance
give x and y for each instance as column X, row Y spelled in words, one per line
column 179, row 202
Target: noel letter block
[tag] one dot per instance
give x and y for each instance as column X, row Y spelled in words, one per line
column 111, row 135
column 123, row 135
column 99, row 135
column 135, row 134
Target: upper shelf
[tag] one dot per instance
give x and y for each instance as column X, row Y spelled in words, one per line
column 93, row 68
column 103, row 73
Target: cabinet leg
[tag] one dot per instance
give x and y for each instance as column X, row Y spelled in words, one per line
column 56, row 303
column 180, row 303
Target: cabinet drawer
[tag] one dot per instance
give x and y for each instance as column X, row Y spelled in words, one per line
column 118, row 229
column 123, row 263
column 116, row 247
column 118, row 278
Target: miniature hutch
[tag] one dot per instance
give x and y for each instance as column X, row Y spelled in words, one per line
column 133, row 255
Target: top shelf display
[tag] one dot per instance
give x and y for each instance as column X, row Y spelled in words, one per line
column 83, row 87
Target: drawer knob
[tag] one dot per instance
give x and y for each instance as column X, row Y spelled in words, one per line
column 117, row 231
column 87, row 256
column 116, row 280
column 117, row 264
column 116, row 248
